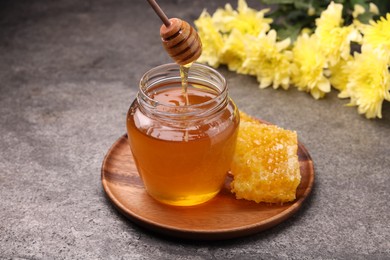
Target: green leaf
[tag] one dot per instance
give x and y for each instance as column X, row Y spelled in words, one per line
column 302, row 4
column 276, row 2
column 366, row 17
column 358, row 2
column 320, row 4
column 289, row 31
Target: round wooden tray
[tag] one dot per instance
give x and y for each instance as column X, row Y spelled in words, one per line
column 222, row 217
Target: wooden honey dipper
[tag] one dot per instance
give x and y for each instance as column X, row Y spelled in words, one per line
column 179, row 39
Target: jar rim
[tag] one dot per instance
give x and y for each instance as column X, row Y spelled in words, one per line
column 165, row 73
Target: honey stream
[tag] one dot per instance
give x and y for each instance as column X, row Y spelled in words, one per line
column 184, row 69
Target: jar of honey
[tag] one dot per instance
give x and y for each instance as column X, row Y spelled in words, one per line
column 182, row 140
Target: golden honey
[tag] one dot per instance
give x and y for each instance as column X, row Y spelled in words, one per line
column 183, row 145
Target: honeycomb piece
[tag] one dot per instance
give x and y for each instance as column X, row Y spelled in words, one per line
column 265, row 165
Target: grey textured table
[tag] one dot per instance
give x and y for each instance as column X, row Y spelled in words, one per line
column 69, row 71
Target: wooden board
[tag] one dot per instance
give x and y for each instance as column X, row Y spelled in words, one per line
column 222, row 217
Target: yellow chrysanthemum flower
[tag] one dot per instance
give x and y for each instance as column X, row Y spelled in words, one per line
column 311, row 11
column 242, row 40
column 269, row 60
column 358, row 10
column 369, row 82
column 331, row 17
column 244, row 19
column 233, row 52
column 339, row 74
column 336, row 43
column 308, row 66
column 335, row 39
column 212, row 41
column 373, row 8
column 377, row 35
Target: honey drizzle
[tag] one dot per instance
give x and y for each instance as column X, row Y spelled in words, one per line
column 184, row 69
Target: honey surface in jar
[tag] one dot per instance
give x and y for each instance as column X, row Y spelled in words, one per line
column 183, row 161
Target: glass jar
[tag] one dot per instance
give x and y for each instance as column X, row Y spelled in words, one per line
column 182, row 148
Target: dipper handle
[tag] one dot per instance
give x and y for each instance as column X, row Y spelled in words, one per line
column 159, row 12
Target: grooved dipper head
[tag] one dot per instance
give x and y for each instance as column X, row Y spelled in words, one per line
column 181, row 41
